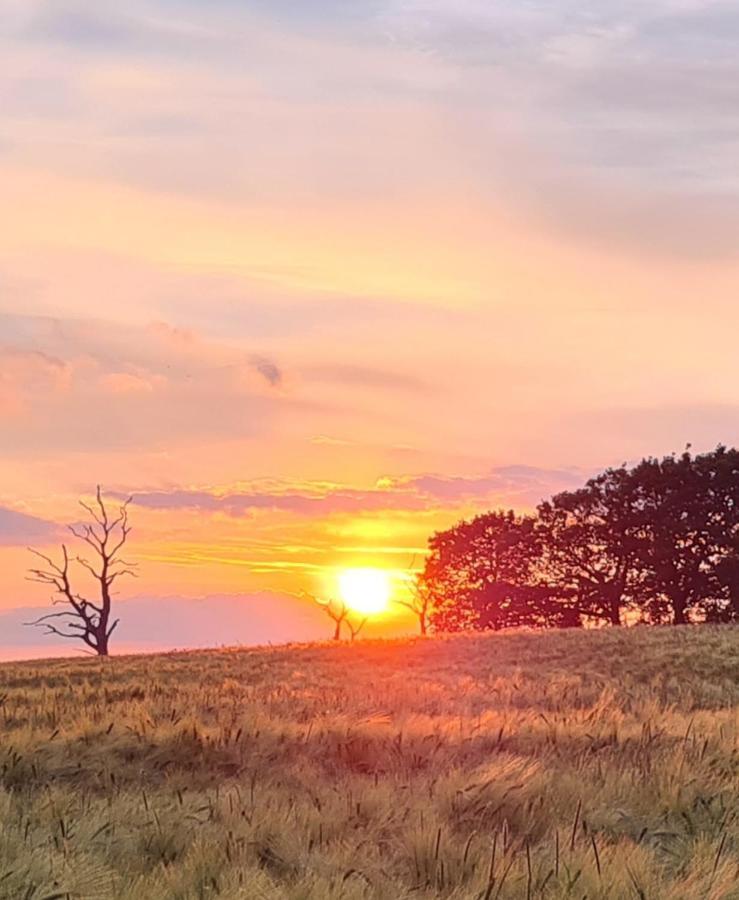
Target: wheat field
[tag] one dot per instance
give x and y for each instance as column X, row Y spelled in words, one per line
column 599, row 764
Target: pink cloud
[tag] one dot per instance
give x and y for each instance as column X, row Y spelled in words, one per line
column 19, row 529
column 517, row 486
column 25, row 373
column 169, row 384
column 129, row 383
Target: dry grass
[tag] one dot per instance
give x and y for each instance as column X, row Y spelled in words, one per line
column 582, row 765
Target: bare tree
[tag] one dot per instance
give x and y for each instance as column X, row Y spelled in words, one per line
column 337, row 611
column 340, row 613
column 355, row 627
column 87, row 620
column 420, row 602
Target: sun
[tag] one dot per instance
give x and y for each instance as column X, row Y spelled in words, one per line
column 366, row 591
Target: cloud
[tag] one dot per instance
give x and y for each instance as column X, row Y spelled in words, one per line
column 311, row 501
column 268, row 369
column 518, row 486
column 665, row 428
column 171, row 622
column 168, row 385
column 616, row 113
column 92, row 28
column 614, row 120
column 27, row 372
column 34, row 366
column 84, row 27
column 20, row 529
column 364, row 376
column 126, row 383
column 326, row 440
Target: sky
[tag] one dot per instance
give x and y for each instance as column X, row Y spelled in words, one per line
column 311, row 280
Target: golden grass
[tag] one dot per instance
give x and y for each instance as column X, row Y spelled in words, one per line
column 563, row 764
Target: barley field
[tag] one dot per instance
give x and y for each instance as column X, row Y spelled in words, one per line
column 598, row 764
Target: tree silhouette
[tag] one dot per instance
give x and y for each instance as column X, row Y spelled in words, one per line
column 590, row 541
column 340, row 614
column 659, row 540
column 87, row 620
column 484, row 573
column 688, row 507
column 355, row 627
column 420, row 602
column 337, row 611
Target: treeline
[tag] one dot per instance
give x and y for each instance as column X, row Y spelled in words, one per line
column 654, row 543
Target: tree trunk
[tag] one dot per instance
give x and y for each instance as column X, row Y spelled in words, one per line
column 614, row 611
column 679, row 610
column 422, row 623
column 337, row 631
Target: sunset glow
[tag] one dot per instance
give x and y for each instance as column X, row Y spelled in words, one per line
column 356, row 357
column 313, row 281
column 366, row 591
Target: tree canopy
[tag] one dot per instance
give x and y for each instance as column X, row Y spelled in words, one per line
column 655, row 542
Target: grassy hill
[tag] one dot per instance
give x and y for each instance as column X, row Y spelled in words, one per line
column 583, row 765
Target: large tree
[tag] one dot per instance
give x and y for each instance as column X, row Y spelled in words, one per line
column 482, row 574
column 659, row 541
column 688, row 511
column 590, row 542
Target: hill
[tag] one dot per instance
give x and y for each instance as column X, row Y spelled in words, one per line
column 524, row 765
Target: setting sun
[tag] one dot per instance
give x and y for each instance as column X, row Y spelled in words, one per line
column 367, row 591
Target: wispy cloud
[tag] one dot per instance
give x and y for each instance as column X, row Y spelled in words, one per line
column 284, row 248
column 153, row 623
column 365, row 377
column 518, row 486
column 521, row 486
column 76, row 384
column 633, row 103
column 268, row 369
column 20, row 529
column 311, row 501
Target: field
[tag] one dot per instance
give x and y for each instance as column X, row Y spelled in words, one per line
column 563, row 764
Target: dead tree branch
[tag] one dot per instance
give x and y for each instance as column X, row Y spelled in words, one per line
column 355, row 627
column 340, row 614
column 336, row 610
column 420, row 602
column 87, row 620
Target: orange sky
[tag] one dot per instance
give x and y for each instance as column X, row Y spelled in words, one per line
column 313, row 282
